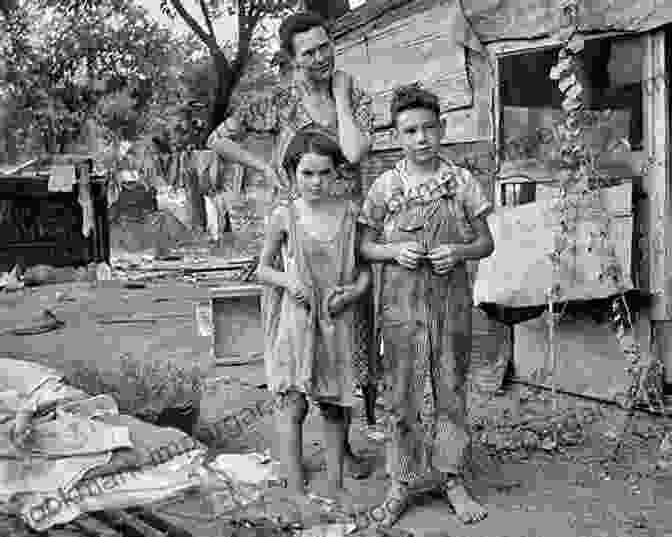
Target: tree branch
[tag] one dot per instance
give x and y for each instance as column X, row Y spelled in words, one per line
column 247, row 22
column 208, row 20
column 209, row 41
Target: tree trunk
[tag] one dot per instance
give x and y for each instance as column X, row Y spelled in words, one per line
column 226, row 82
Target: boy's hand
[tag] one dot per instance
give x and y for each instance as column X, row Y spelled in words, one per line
column 444, row 258
column 409, row 255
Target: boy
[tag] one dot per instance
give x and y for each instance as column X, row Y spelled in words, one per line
column 424, row 219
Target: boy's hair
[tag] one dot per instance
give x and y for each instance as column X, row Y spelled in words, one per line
column 297, row 24
column 413, row 96
column 311, row 141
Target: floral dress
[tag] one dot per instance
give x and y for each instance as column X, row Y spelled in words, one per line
column 283, row 114
column 312, row 351
column 425, row 318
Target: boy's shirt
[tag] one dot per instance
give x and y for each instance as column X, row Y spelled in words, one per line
column 390, row 194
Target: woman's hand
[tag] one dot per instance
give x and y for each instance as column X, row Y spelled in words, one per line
column 273, row 178
column 22, row 427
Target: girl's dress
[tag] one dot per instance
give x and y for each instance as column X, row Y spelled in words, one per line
column 309, row 351
column 426, row 318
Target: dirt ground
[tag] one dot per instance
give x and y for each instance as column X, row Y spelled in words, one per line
column 575, row 490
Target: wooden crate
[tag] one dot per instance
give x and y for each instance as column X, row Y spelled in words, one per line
column 237, row 333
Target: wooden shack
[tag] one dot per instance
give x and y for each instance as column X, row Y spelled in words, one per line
column 489, row 63
column 55, row 214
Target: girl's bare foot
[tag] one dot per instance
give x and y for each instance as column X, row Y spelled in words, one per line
column 355, row 467
column 467, row 509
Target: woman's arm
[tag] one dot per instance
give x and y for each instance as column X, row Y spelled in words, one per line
column 235, row 152
column 354, row 142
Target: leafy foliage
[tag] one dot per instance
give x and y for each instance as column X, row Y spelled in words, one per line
column 141, row 389
column 68, row 62
column 229, row 59
column 582, row 178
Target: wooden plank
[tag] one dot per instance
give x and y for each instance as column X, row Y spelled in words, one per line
column 425, row 50
column 530, row 230
column 656, row 184
column 589, row 359
column 149, row 516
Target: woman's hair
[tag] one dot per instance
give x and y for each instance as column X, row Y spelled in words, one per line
column 411, row 97
column 298, row 23
column 311, row 141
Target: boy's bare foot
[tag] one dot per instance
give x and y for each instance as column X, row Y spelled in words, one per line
column 391, row 510
column 357, row 467
column 467, row 509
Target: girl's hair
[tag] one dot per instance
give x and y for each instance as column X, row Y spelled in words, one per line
column 311, row 141
column 413, row 96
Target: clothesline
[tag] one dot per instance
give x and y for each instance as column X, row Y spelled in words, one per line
column 176, row 169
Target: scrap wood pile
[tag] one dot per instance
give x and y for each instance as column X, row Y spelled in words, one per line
column 191, row 268
column 70, row 462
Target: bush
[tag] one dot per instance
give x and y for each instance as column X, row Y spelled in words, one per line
column 141, row 389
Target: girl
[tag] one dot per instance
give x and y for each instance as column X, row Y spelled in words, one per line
column 317, row 334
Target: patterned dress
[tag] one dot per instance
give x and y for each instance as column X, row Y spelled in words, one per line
column 312, row 351
column 283, row 115
column 425, row 318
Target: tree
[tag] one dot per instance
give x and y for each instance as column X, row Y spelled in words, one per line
column 91, row 60
column 228, row 60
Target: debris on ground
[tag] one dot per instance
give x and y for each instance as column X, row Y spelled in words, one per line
column 11, row 281
column 45, row 322
column 66, row 453
column 665, row 453
column 196, row 269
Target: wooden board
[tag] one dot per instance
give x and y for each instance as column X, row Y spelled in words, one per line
column 589, row 360
column 237, row 333
column 520, row 273
column 421, row 47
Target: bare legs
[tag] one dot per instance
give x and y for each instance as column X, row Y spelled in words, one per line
column 355, row 466
column 290, row 415
column 335, row 438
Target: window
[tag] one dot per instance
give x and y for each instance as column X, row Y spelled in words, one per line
column 531, row 102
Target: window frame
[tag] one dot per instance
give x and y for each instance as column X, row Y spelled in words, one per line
column 636, row 160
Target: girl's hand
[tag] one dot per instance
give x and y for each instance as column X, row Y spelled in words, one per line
column 298, row 292
column 340, row 298
column 409, row 254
